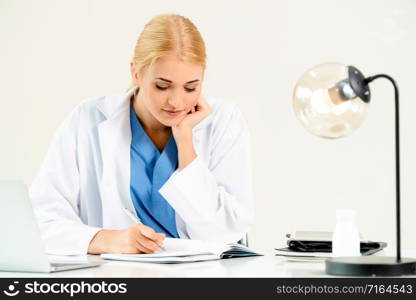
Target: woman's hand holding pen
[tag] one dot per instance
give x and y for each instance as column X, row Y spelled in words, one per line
column 137, row 238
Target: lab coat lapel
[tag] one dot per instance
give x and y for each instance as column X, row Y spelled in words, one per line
column 115, row 139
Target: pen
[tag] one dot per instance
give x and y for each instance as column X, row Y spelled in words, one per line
column 136, row 219
column 133, row 217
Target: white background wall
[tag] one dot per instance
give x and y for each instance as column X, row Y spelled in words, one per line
column 54, row 54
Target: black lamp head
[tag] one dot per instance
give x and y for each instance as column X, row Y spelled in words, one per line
column 358, row 84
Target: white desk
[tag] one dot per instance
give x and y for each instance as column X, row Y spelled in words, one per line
column 263, row 266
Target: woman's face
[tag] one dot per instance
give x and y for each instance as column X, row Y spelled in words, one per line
column 169, row 89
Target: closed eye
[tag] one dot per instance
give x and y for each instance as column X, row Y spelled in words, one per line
column 161, row 87
column 190, row 89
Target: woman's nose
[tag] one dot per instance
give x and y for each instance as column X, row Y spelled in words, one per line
column 174, row 100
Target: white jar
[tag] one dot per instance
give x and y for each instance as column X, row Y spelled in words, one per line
column 346, row 238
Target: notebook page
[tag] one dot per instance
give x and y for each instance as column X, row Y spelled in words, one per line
column 161, row 260
column 185, row 247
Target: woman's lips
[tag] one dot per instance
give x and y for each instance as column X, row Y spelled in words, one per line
column 173, row 113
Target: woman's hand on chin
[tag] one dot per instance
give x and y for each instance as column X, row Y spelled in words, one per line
column 184, row 128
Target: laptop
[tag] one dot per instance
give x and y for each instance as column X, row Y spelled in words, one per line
column 21, row 247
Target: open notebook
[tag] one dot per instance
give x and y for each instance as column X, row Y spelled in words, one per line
column 184, row 250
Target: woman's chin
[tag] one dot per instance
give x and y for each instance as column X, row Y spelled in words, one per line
column 169, row 122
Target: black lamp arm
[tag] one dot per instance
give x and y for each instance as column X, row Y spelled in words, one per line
column 397, row 134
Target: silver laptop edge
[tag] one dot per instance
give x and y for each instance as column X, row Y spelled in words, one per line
column 22, row 248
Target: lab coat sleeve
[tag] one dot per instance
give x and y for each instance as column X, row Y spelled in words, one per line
column 55, row 194
column 215, row 200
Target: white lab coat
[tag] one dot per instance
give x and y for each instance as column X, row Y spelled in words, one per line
column 83, row 184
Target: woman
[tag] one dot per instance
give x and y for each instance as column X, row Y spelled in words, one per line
column 179, row 162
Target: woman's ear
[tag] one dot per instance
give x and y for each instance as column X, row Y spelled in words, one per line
column 135, row 74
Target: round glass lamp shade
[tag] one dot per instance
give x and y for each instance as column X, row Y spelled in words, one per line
column 325, row 103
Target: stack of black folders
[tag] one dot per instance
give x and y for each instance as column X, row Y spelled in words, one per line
column 317, row 246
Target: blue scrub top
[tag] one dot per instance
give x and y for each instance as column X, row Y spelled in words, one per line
column 150, row 169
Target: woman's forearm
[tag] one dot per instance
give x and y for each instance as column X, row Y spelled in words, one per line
column 186, row 150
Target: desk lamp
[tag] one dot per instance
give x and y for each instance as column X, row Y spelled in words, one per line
column 331, row 101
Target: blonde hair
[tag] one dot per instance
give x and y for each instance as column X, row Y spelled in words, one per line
column 166, row 35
